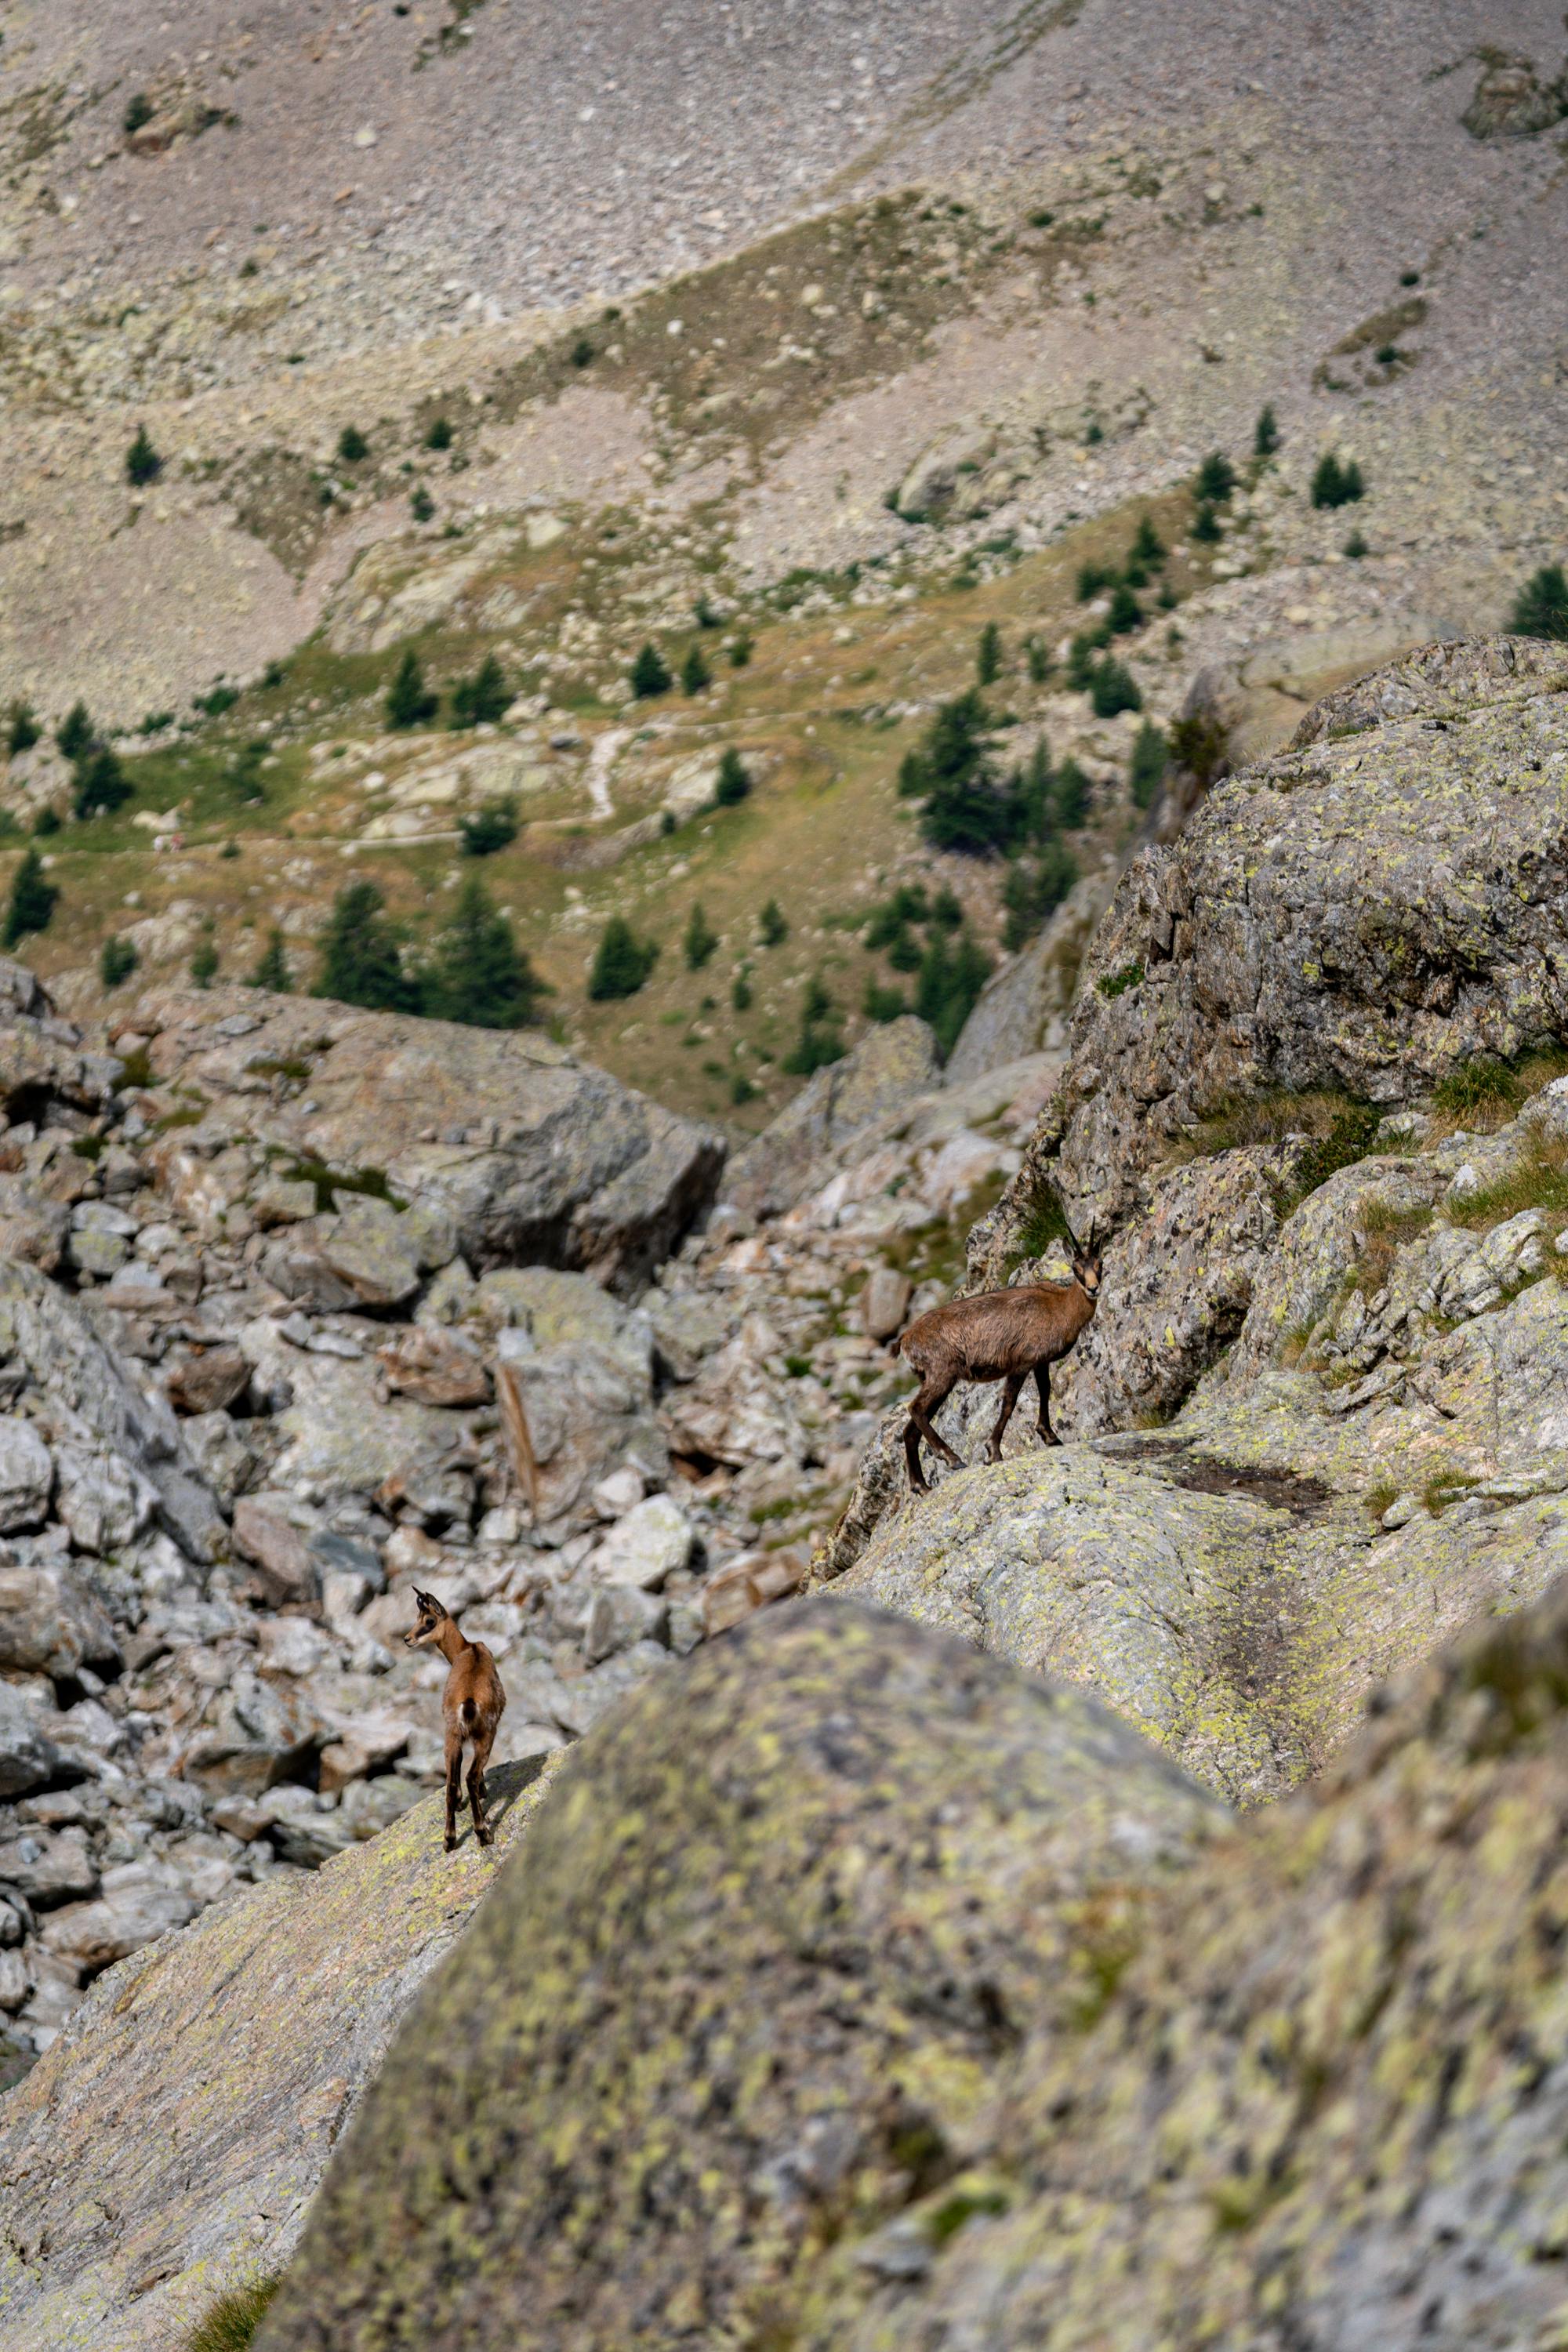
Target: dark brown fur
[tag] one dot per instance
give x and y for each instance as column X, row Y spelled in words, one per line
column 998, row 1334
column 472, row 1705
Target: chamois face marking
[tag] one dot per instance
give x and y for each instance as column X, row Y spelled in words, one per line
column 431, row 1618
column 1086, row 1269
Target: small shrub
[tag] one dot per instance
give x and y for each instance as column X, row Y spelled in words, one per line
column 1336, row 485
column 352, row 445
column 733, row 784
column 820, row 1040
column 1113, row 689
column 215, row 704
column 622, row 962
column 1146, row 769
column 31, row 903
column 772, row 927
column 230, row 2323
column 1201, row 745
column 421, row 505
column 1216, row 478
column 272, row 969
column 695, row 674
column 1112, row 984
column 22, row 729
column 1091, row 579
column 1148, row 547
column 1356, row 546
column 480, row 701
column 739, row 653
column 143, row 462
column 116, row 961
column 648, row 674
column 153, row 722
column 439, row 435
column 137, row 114
column 741, row 1088
column 47, row 821
column 1388, row 355
column 1266, row 434
column 581, row 352
column 1350, row 1138
column 100, row 783
column 1542, row 608
column 988, row 655
column 204, row 961
column 75, row 733
column 409, row 703
column 490, row 827
column 1207, row 528
column 740, row 990
column 703, row 613
column 880, row 1003
column 700, row 939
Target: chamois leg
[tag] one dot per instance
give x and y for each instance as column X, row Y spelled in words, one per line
column 483, row 1743
column 453, row 1784
column 1009, row 1399
column 930, row 1396
column 1043, row 1384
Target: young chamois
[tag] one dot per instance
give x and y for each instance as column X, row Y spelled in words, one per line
column 472, row 1705
column 998, row 1334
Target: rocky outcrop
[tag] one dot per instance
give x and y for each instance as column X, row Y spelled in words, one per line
column 172, row 2138
column 1023, row 1009
column 499, row 1136
column 769, row 1940
column 841, row 1103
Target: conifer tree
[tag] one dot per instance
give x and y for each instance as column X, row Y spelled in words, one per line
column 476, row 972
column 352, row 445
column 648, row 674
column 32, row 902
column 1216, row 478
column 622, row 962
column 1148, row 547
column 361, row 963
column 74, row 735
column 480, row 701
column 1146, row 770
column 143, row 462
column 409, row 702
column 206, row 960
column 1266, row 433
column 1113, row 689
column 695, row 673
column 988, row 655
column 100, row 783
column 22, row 729
column 821, row 1040
column 700, row 939
column 770, row 925
column 733, row 783
column 1542, row 609
column 490, row 827
column 965, row 809
column 116, row 959
column 272, row 969
column 1072, row 791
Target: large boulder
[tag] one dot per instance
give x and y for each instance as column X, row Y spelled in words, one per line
column 170, row 2139
column 843, row 1103
column 524, row 1153
column 776, row 1936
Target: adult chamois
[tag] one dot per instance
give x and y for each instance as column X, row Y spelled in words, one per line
column 997, row 1335
column 472, row 1705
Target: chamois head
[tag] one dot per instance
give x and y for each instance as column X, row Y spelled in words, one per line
column 432, row 1617
column 1086, row 1259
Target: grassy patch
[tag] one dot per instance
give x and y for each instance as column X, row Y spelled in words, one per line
column 1337, row 1130
column 1382, row 1499
column 1537, row 1179
column 1385, row 1228
column 1444, row 1487
column 230, row 2323
column 1483, row 1093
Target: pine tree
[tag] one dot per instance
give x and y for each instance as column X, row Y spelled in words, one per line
column 1037, row 653
column 1035, row 887
column 733, row 783
column 480, row 701
column 1336, row 485
column 1126, row 613
column 490, row 827
column 1113, row 689
column 117, row 960
column 1542, row 609
column 772, row 927
column 359, row 960
column 965, row 810
column 1072, row 792
column 1266, row 434
column 272, row 971
column 947, row 910
column 700, row 939
column 1148, row 547
column 1033, row 791
column 439, row 435
column 47, row 821
column 1206, row 526
column 953, row 974
column 352, row 445
column 1146, row 770
column 695, row 673
column 32, row 901
column 1216, row 478
column 22, row 729
column 648, row 674
column 100, row 783
column 622, row 962
column 74, row 734
column 408, row 704
column 740, row 990
column 820, row 1038
column 421, row 505
column 988, row 657
column 879, row 1003
column 143, row 462
column 476, row 972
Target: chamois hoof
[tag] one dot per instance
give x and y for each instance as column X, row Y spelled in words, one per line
column 485, row 1837
column 451, row 1843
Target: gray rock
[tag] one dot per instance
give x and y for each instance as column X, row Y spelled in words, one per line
column 652, row 1541
column 1021, row 1008
column 264, row 1531
column 885, row 1302
column 27, row 1758
column 51, row 1621
column 136, row 1908
column 841, row 1104
column 48, row 1866
column 257, row 1734
column 26, row 1475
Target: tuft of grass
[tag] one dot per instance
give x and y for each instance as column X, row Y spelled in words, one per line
column 1445, row 1486
column 1537, row 1179
column 1381, row 1498
column 230, row 2323
column 1385, row 1228
column 1112, row 984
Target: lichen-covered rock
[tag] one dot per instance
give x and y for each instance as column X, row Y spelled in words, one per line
column 777, row 1932
column 526, row 1154
column 169, row 2141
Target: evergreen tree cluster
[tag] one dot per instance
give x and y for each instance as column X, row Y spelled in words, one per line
column 1337, row 484
column 622, row 962
column 954, row 969
column 821, row 1039
column 1542, row 608
column 475, row 701
column 473, row 970
column 33, row 900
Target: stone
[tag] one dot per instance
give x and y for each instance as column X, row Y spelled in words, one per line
column 257, row 1735
column 885, row 1302
column 747, row 1583
column 621, row 1492
column 51, row 1621
column 434, row 1366
column 266, row 1534
column 27, row 1758
column 1019, row 1007
column 734, row 1849
column 136, row 1908
column 209, row 1381
column 365, row 1248
column 48, row 1867
column 199, row 2090
column 282, row 1202
column 798, row 1151
column 562, row 1165
column 102, row 1498
column 652, row 1541
column 619, row 1615
column 26, row 1475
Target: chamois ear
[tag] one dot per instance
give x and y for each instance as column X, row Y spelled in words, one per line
column 427, row 1603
